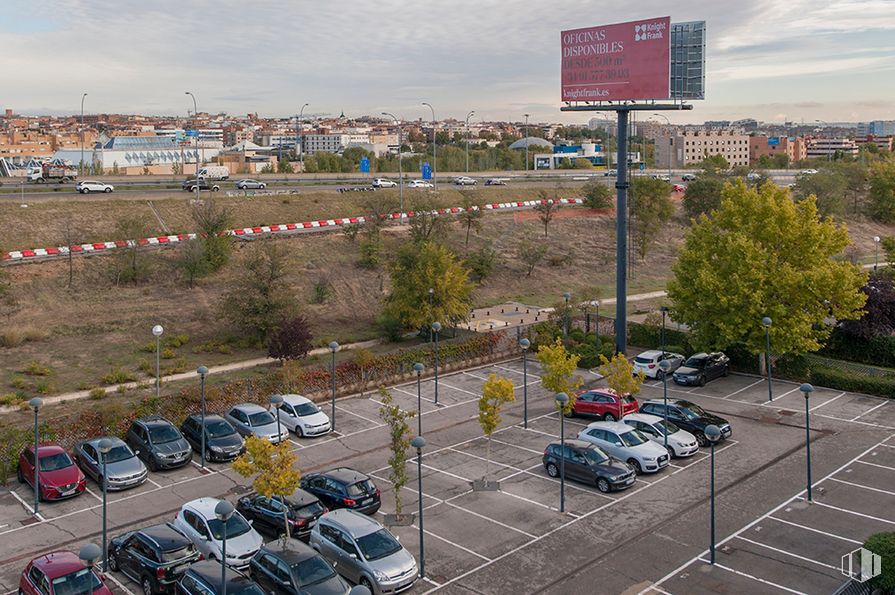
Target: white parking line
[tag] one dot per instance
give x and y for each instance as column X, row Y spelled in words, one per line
column 29, row 509
column 748, row 386
column 149, row 479
column 457, row 388
column 872, row 409
column 515, row 371
column 486, row 518
column 812, row 529
column 858, row 485
column 771, row 403
column 410, row 394
column 827, row 402
column 372, row 421
column 531, row 450
column 89, row 491
column 755, row 578
column 475, row 375
column 876, row 465
column 847, row 511
column 784, row 552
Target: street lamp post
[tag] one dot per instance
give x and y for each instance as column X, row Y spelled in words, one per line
column 667, row 121
column 202, row 371
column 400, row 163
column 418, row 443
column 876, row 253
column 223, row 510
column 81, row 168
column 105, row 445
column 665, row 366
column 333, row 347
column 434, row 149
column 561, row 400
column 196, row 115
column 89, row 554
column 436, row 327
column 157, row 330
column 36, row 403
column 525, row 344
column 418, row 368
column 713, row 434
column 299, row 133
column 469, row 115
column 766, row 323
column 276, row 401
column 526, row 141
column 807, row 389
column 565, row 315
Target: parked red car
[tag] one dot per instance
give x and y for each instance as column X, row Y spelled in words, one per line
column 59, row 477
column 604, row 404
column 61, row 573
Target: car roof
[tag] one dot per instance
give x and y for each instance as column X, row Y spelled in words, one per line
column 56, row 564
column 94, row 442
column 202, row 506
column 210, row 572
column 46, row 449
column 295, row 399
column 208, row 418
column 153, row 421
column 574, row 443
column 355, row 523
column 644, row 417
column 290, row 551
column 651, row 353
column 605, row 390
column 615, row 426
column 165, row 536
column 345, row 475
column 248, row 407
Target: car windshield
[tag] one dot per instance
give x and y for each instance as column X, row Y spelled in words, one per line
column 78, row 582
column 236, row 526
column 163, row 434
column 695, row 362
column 313, row 570
column 178, row 554
column 378, row 545
column 692, row 410
column 594, row 456
column 119, row 453
column 643, row 360
column 362, row 487
column 55, row 462
column 668, row 428
column 306, row 409
column 309, row 510
column 219, row 429
column 262, row 418
column 243, row 587
column 632, row 438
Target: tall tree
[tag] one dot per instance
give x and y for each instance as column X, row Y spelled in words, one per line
column 426, row 224
column 400, row 435
column 558, row 371
column 597, row 195
column 828, row 187
column 761, row 255
column 651, row 208
column 703, row 195
column 881, row 204
column 546, row 210
column 496, row 392
column 212, row 221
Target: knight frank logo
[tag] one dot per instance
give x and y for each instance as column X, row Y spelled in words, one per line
column 646, row 31
column 861, row 565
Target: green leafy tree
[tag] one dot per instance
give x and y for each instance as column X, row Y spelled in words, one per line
column 273, row 466
column 651, row 208
column 597, row 195
column 760, row 255
column 546, row 210
column 620, row 377
column 191, row 261
column 888, row 245
column 416, row 269
column 471, row 215
column 713, row 164
column 828, row 187
column 883, row 545
column 426, row 224
column 558, row 371
column 703, row 195
column 284, row 166
column 531, row 254
column 212, row 221
column 881, row 203
column 496, row 392
column 780, row 161
column 400, row 436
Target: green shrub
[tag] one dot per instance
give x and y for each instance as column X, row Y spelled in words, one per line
column 847, row 381
column 145, row 366
column 83, row 385
column 97, row 393
column 883, row 545
column 168, row 353
column 577, row 335
column 589, row 356
column 36, row 369
column 12, row 441
column 149, row 347
column 118, row 376
column 42, row 386
column 225, row 349
column 10, row 399
column 177, row 341
column 321, row 292
column 481, row 263
column 19, row 382
column 390, row 327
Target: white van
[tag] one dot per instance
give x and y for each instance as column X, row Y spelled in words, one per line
column 214, row 172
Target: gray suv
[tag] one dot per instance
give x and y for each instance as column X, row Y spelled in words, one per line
column 159, row 443
column 364, row 552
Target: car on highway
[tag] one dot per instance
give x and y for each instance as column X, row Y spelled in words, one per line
column 293, row 568
column 464, row 181
column 611, row 173
column 688, row 177
column 808, row 172
column 159, row 443
column 254, row 420
column 588, row 463
column 688, row 416
column 384, row 183
column 58, row 475
column 364, row 552
column 61, row 573
column 222, row 441
column 343, row 487
column 496, row 182
column 153, row 557
column 679, row 188
column 250, row 185
column 302, row 509
column 302, row 416
column 420, row 184
column 197, row 520
column 648, row 363
column 203, row 184
column 702, row 367
column 123, row 468
column 627, row 444
column 603, row 403
column 681, row 443
column 754, row 176
column 88, row 186
column 663, row 177
column 204, row 578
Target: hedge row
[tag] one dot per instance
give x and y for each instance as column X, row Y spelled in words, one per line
column 878, row 351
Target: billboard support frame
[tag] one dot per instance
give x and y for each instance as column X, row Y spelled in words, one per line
column 622, row 109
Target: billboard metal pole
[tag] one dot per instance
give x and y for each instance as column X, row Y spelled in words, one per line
column 621, row 234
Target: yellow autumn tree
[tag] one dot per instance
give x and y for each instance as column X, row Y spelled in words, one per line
column 496, row 392
column 558, row 371
column 620, row 377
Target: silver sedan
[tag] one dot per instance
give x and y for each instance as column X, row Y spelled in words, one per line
column 123, row 468
column 253, row 420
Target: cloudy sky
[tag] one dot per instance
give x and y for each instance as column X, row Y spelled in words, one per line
column 831, row 60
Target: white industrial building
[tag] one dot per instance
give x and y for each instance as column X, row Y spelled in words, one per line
column 137, row 154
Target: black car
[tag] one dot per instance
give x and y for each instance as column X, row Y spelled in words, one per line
column 589, row 463
column 296, row 569
column 266, row 514
column 343, row 488
column 702, row 367
column 204, row 578
column 222, row 441
column 156, row 557
column 191, row 186
column 688, row 416
column 159, row 443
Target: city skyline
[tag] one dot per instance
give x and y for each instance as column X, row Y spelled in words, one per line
column 798, row 61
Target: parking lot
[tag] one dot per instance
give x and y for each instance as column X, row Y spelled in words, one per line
column 769, row 538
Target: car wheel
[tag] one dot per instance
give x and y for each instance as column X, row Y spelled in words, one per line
column 365, row 582
column 208, row 454
column 608, row 417
column 299, row 432
column 215, row 188
column 552, row 470
column 603, row 485
column 85, row 191
column 636, row 464
column 147, row 585
column 107, row 190
column 701, row 439
column 702, row 381
column 671, row 453
column 153, row 466
column 262, row 186
column 113, row 563
column 726, row 371
column 19, row 475
column 660, row 375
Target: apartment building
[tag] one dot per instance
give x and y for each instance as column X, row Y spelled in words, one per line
column 678, row 148
column 793, row 147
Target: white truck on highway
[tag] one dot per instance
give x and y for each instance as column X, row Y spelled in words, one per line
column 49, row 172
column 214, row 172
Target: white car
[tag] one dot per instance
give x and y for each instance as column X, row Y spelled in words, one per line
column 624, row 442
column 420, row 184
column 464, row 181
column 808, row 172
column 681, row 443
column 384, row 183
column 197, row 521
column 88, row 186
column 648, row 363
column 496, row 182
column 302, row 416
column 250, row 184
column 611, row 173
column 688, row 177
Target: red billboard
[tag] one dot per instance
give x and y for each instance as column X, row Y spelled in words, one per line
column 617, row 62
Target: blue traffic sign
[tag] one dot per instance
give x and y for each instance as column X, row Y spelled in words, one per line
column 364, row 165
column 642, row 166
column 192, row 133
column 427, row 171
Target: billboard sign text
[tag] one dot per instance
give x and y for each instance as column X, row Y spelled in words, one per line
column 617, row 62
